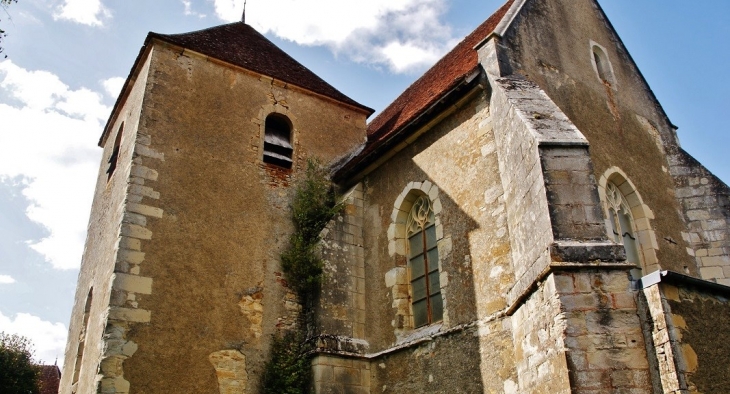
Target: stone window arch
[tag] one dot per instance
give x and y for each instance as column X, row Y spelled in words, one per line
column 601, row 65
column 278, row 149
column 415, row 232
column 628, row 220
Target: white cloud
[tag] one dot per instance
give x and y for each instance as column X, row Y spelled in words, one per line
column 6, row 280
column 50, row 139
column 85, row 12
column 189, row 9
column 49, row 339
column 113, row 86
column 403, row 35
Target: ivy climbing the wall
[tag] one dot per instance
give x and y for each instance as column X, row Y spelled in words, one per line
column 289, row 369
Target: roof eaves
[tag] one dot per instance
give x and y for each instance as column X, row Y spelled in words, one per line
column 672, row 277
column 366, row 155
column 127, row 87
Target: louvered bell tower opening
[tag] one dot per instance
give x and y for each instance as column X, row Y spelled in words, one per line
column 277, row 141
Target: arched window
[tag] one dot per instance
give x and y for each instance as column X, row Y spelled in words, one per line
column 621, row 223
column 423, row 260
column 602, row 65
column 114, row 157
column 277, row 141
column 628, row 220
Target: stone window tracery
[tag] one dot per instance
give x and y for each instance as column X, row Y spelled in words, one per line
column 423, row 260
column 628, row 220
column 416, row 216
column 621, row 223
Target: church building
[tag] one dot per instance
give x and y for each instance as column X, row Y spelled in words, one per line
column 521, row 219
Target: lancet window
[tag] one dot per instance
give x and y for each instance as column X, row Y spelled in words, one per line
column 621, row 223
column 423, row 259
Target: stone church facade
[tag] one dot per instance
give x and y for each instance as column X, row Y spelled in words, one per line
column 522, row 219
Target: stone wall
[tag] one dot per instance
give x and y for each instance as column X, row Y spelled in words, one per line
column 454, row 162
column 336, row 375
column 603, row 336
column 705, row 202
column 342, row 300
column 109, row 249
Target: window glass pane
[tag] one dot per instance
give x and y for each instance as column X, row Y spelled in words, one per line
column 417, row 267
column 433, row 260
column 419, row 289
column 433, row 283
column 437, row 308
column 416, row 244
column 430, row 237
column 420, row 316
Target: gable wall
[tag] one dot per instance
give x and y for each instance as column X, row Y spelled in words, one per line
column 623, row 125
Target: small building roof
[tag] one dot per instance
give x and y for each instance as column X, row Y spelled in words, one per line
column 50, row 378
column 241, row 45
column 444, row 76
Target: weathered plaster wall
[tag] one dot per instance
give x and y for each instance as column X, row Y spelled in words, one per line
column 689, row 327
column 623, row 124
column 212, row 252
column 102, row 243
column 703, row 319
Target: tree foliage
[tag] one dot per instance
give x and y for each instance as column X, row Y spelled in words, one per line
column 18, row 373
column 314, row 204
column 289, row 369
column 4, row 4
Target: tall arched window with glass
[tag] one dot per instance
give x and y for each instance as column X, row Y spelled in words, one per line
column 621, row 223
column 423, row 258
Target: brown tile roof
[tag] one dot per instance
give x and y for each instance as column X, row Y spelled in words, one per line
column 439, row 79
column 241, row 45
column 444, row 76
column 50, row 379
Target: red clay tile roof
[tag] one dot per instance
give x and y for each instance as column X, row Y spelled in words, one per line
column 50, row 379
column 439, row 79
column 241, row 45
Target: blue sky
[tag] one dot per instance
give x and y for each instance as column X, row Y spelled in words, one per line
column 67, row 60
